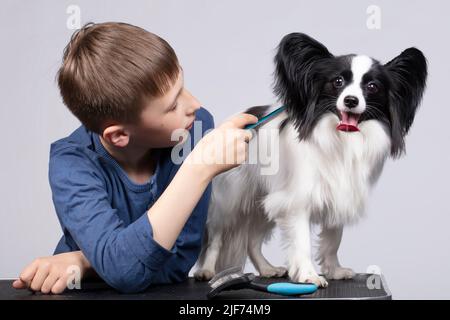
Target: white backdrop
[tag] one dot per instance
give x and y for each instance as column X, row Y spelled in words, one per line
column 226, row 49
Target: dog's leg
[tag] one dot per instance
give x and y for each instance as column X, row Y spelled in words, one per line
column 301, row 268
column 207, row 269
column 256, row 240
column 330, row 239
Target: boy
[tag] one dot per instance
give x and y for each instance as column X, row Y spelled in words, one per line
column 128, row 212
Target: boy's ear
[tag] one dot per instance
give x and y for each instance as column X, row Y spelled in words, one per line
column 294, row 77
column 407, row 74
column 116, row 135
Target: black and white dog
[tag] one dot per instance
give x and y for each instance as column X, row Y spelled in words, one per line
column 344, row 116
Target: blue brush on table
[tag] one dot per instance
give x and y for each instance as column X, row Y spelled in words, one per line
column 235, row 279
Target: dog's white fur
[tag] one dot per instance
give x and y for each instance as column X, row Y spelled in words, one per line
column 325, row 180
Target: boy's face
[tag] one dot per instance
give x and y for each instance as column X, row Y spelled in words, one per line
column 161, row 116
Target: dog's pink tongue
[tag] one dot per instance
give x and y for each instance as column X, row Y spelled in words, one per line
column 349, row 122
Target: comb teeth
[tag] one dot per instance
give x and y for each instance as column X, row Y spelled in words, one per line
column 225, row 275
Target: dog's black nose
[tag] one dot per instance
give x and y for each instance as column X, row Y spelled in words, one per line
column 351, row 101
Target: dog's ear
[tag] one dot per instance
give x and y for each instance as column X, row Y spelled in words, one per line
column 296, row 55
column 407, row 74
column 296, row 83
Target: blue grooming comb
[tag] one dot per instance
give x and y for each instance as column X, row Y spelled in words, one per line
column 266, row 118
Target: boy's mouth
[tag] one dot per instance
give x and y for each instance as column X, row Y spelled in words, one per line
column 190, row 125
column 349, row 122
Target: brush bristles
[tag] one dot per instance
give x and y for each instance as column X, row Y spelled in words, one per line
column 224, row 279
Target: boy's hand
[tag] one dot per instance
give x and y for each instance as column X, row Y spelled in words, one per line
column 50, row 274
column 225, row 147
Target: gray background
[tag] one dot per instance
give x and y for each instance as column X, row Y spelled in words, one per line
column 226, row 49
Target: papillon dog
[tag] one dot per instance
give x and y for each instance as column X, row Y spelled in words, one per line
column 344, row 115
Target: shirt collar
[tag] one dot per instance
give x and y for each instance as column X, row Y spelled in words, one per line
column 100, row 149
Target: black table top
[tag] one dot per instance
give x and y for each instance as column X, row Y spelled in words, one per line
column 353, row 289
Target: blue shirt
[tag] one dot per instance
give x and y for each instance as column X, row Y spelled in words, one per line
column 103, row 213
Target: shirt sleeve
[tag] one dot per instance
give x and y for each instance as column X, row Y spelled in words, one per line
column 126, row 257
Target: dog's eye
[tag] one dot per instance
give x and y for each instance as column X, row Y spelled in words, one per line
column 338, row 82
column 372, row 87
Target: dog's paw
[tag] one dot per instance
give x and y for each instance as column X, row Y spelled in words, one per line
column 338, row 273
column 319, row 281
column 203, row 275
column 273, row 272
column 306, row 275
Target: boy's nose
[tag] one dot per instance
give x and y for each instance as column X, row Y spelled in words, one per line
column 194, row 104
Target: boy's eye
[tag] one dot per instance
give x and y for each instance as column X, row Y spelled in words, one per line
column 174, row 107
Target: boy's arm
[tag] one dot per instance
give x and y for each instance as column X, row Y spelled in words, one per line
column 201, row 165
column 128, row 257
column 189, row 241
column 188, row 245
